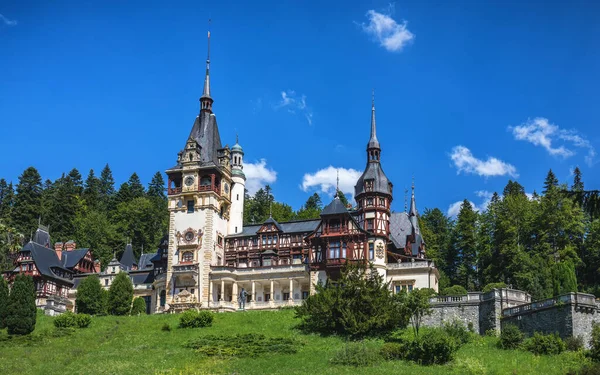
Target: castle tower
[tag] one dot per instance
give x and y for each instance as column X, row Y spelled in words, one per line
column 373, row 194
column 236, row 217
column 199, row 201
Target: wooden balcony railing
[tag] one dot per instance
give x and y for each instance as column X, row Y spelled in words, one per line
column 175, row 190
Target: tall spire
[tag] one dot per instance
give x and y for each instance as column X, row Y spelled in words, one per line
column 206, row 100
column 413, row 204
column 373, row 149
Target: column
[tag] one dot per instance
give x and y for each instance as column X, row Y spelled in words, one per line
column 222, row 298
column 210, row 292
column 234, row 292
column 272, row 292
column 291, row 289
column 253, row 297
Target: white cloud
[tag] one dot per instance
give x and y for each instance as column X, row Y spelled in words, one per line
column 540, row 132
column 291, row 102
column 391, row 35
column 464, row 161
column 454, row 208
column 326, row 179
column 258, row 175
column 7, row 22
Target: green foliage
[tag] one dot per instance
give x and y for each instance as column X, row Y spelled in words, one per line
column 166, row 327
column 196, row 319
column 458, row 332
column 89, row 296
column 28, row 202
column 468, row 366
column 544, row 344
column 491, row 286
column 510, row 337
column 356, row 354
column 83, row 320
column 454, row 290
column 587, row 369
column 4, row 294
column 120, row 295
column 465, row 243
column 358, row 304
column 65, row 320
column 436, row 228
column 434, row 346
column 139, row 306
column 392, row 351
column 415, row 305
column 594, row 352
column 574, row 343
column 21, row 309
column 242, row 345
column 564, row 279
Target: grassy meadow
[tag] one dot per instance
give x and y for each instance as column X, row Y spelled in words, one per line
column 139, row 345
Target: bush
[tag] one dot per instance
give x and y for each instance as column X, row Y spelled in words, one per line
column 21, row 310
column 195, row 319
column 594, row 352
column 83, row 320
column 492, row 332
column 491, row 286
column 434, row 346
column 454, row 290
column 356, row 354
column 166, row 327
column 65, row 320
column 587, row 369
column 574, row 343
column 359, row 304
column 458, row 332
column 247, row 345
column 89, row 296
column 544, row 344
column 3, row 302
column 139, row 306
column 120, row 295
column 392, row 350
column 510, row 337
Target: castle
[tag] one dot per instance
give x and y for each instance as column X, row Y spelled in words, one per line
column 210, row 254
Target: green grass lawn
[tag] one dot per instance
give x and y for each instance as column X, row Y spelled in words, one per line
column 137, row 345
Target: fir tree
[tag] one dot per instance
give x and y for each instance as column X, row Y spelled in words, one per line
column 139, row 307
column 136, row 188
column 314, row 203
column 123, row 195
column 74, row 182
column 3, row 302
column 92, row 190
column 21, row 310
column 156, row 188
column 577, row 181
column 107, row 188
column 550, row 182
column 28, row 202
column 120, row 295
column 436, row 228
column 465, row 242
column 342, row 198
column 89, row 296
column 6, row 200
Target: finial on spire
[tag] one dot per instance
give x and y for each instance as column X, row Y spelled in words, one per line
column 373, row 155
column 405, row 199
column 373, row 98
column 413, row 204
column 237, row 139
column 337, row 184
column 206, row 100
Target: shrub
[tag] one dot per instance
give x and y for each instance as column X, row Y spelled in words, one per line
column 247, row 345
column 356, row 354
column 21, row 310
column 139, row 306
column 65, row 320
column 458, row 332
column 3, row 302
column 120, row 295
column 510, row 337
column 434, row 346
column 544, row 344
column 587, row 369
column 359, row 304
column 594, row 352
column 195, row 319
column 492, row 332
column 491, row 286
column 454, row 290
column 574, row 343
column 165, row 327
column 89, row 296
column 83, row 320
column 471, row 327
column 392, row 350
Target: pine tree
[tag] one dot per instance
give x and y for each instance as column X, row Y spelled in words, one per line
column 314, row 203
column 342, row 198
column 74, row 182
column 550, row 183
column 135, row 186
column 107, row 188
column 156, row 188
column 577, row 181
column 3, row 302
column 123, row 195
column 28, row 202
column 6, row 200
column 436, row 228
column 21, row 310
column 120, row 295
column 92, row 190
column 139, row 307
column 89, row 296
column 465, row 241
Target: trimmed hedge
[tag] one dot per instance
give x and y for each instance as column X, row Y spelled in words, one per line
column 195, row 319
column 70, row 320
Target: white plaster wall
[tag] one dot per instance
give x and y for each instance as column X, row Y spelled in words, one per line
column 421, row 279
column 236, row 213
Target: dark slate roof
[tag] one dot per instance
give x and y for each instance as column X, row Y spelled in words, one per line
column 71, row 258
column 42, row 237
column 270, row 220
column 141, row 277
column 128, row 259
column 400, row 228
column 301, row 226
column 335, row 207
column 381, row 184
column 45, row 259
column 206, row 132
column 146, row 260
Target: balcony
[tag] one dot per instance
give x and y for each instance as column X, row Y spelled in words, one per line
column 185, row 268
column 216, row 189
column 416, row 264
column 173, row 191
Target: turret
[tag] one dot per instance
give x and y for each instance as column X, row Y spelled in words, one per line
column 236, row 213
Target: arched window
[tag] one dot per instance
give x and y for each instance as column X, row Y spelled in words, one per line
column 163, row 298
column 187, row 257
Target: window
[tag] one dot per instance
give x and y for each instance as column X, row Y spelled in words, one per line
column 269, row 239
column 286, row 296
column 220, row 240
column 410, row 288
column 188, row 256
column 235, row 230
column 267, row 297
column 190, row 207
column 105, row 282
column 382, row 202
column 238, row 197
column 266, row 262
column 344, row 250
column 370, row 224
column 255, row 241
column 192, row 291
column 369, row 202
column 274, row 239
column 371, row 250
column 113, row 270
column 334, row 225
column 264, row 240
column 304, row 295
column 334, row 249
column 205, row 181
column 398, row 289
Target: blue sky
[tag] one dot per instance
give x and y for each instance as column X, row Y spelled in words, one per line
column 468, row 94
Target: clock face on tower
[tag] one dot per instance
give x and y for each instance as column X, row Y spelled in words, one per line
column 189, row 236
column 189, row 181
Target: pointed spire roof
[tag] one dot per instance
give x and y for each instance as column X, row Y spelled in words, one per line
column 413, row 204
column 128, row 258
column 373, row 142
column 336, row 207
column 206, row 91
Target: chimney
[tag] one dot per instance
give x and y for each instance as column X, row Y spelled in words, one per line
column 58, row 247
column 70, row 245
column 97, row 267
